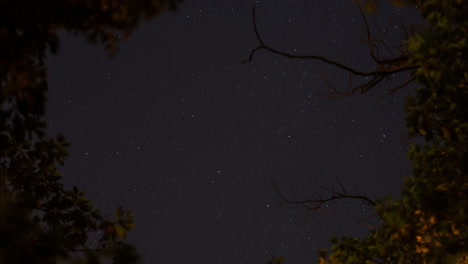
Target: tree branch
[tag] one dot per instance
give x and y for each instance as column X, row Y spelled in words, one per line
column 315, row 204
column 385, row 67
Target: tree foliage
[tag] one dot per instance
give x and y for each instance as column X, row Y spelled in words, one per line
column 40, row 220
column 428, row 224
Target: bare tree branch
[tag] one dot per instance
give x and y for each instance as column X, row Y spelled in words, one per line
column 385, row 67
column 315, row 204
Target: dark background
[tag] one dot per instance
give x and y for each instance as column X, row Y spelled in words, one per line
column 178, row 130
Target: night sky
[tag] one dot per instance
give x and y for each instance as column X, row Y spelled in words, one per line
column 176, row 129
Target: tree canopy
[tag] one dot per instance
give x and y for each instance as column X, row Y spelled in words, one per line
column 428, row 224
column 40, row 220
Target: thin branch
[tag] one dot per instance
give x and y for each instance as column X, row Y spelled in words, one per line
column 398, row 87
column 315, row 204
column 403, row 58
column 369, row 38
column 255, row 27
column 332, row 91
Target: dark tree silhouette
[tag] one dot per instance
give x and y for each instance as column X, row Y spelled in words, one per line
column 428, row 224
column 41, row 221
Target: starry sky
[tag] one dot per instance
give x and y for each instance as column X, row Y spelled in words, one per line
column 176, row 129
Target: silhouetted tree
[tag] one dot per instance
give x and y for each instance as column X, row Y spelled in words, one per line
column 40, row 220
column 428, row 224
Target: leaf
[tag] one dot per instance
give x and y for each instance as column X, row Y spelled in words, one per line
column 120, row 231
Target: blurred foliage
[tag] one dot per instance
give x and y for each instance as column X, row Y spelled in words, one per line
column 40, row 220
column 371, row 6
column 429, row 223
column 276, row 260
